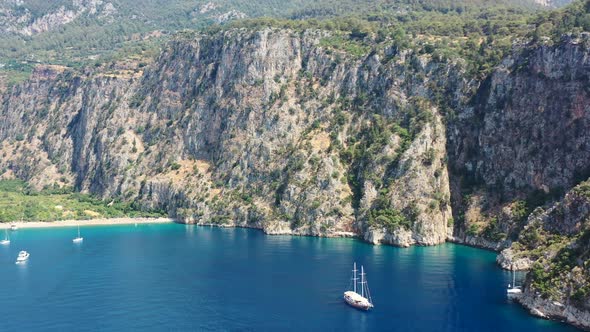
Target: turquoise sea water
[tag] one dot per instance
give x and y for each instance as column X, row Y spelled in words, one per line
column 177, row 277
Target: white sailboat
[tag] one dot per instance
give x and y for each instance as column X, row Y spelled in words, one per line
column 363, row 300
column 79, row 238
column 6, row 240
column 513, row 290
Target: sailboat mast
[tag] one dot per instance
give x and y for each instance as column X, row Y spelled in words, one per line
column 362, row 281
column 513, row 279
column 78, row 230
column 354, row 279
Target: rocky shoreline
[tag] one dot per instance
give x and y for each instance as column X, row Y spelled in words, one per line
column 478, row 242
column 554, row 310
column 279, row 231
column 536, row 305
column 507, row 260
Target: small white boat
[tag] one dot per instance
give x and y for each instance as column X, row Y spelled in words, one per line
column 79, row 238
column 363, row 300
column 6, row 240
column 13, row 227
column 513, row 290
column 23, row 256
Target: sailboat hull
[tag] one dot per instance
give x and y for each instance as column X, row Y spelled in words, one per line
column 357, row 301
column 514, row 292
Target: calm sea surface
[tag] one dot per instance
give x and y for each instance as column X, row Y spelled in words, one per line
column 177, row 277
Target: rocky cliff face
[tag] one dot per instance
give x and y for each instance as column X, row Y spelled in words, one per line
column 554, row 245
column 265, row 129
column 273, row 129
column 528, row 144
column 524, row 142
column 553, row 3
column 18, row 18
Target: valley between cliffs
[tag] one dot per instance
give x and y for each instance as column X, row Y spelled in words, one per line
column 277, row 130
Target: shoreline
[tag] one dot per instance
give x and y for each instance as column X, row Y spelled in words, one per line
column 334, row 235
column 89, row 222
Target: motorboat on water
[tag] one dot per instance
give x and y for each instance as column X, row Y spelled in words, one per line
column 351, row 297
column 23, row 256
column 13, row 227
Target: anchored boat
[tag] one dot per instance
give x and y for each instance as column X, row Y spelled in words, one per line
column 22, row 257
column 513, row 290
column 78, row 239
column 6, row 240
column 363, row 300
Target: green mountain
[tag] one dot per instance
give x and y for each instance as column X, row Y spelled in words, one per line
column 78, row 32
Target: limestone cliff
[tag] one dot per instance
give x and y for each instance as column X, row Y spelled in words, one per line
column 554, row 245
column 528, row 146
column 552, row 3
column 524, row 141
column 18, row 18
column 263, row 129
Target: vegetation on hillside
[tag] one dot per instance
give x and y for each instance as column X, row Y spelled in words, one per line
column 574, row 18
column 20, row 202
column 481, row 34
column 561, row 258
column 434, row 23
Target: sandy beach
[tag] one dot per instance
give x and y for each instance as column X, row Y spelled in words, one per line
column 91, row 222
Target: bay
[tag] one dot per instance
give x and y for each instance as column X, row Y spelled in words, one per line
column 181, row 277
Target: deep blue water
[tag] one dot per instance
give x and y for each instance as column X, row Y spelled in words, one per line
column 177, row 277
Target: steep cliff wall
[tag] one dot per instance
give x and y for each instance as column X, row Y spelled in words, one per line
column 524, row 142
column 273, row 129
column 265, row 129
column 554, row 245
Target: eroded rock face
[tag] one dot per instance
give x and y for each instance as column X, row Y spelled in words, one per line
column 262, row 129
column 508, row 261
column 18, row 18
column 553, row 3
column 524, row 141
column 420, row 182
column 269, row 129
column 551, row 309
column 554, row 246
